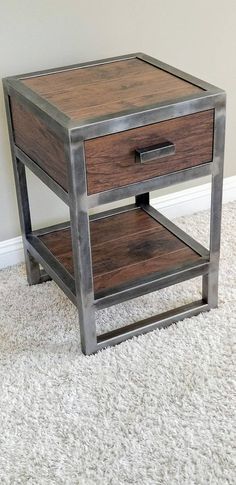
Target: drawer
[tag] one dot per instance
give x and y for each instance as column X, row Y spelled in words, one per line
column 143, row 153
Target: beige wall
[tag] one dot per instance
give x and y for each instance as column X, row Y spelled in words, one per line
column 198, row 37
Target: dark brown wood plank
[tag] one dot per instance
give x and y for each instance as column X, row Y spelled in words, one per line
column 127, row 223
column 137, row 246
column 109, row 88
column 39, row 143
column 111, row 161
column 111, row 228
column 145, row 268
column 132, row 249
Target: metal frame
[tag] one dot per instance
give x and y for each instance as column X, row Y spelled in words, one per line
column 80, row 288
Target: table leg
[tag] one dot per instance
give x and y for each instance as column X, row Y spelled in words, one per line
column 81, row 246
column 210, row 281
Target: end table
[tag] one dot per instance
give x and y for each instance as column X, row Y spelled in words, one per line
column 100, row 132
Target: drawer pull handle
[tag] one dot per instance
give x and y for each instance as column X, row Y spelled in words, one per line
column 150, row 154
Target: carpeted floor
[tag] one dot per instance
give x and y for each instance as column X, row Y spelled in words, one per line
column 158, row 409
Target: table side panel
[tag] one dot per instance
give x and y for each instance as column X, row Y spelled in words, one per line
column 43, row 146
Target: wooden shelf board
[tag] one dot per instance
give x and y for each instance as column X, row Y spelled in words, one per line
column 125, row 247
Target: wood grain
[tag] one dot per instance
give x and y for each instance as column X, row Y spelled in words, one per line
column 110, row 159
column 125, row 247
column 39, row 143
column 106, row 89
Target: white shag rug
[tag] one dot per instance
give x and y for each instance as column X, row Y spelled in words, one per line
column 157, row 409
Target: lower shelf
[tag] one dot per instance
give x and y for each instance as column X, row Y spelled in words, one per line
column 126, row 247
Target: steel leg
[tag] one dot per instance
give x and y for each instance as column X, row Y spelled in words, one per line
column 210, row 281
column 81, row 247
column 32, row 267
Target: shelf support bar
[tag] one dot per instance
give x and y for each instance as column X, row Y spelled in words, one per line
column 152, row 323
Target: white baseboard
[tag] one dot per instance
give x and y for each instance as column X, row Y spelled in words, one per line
column 184, row 202
column 194, row 199
column 11, row 252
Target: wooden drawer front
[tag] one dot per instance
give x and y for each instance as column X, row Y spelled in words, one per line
column 111, row 160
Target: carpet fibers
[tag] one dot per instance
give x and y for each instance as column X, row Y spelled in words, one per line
column 157, row 409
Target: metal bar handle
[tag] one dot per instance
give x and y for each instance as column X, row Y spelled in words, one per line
column 154, row 152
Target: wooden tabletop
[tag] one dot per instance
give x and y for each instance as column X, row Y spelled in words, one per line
column 106, row 89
